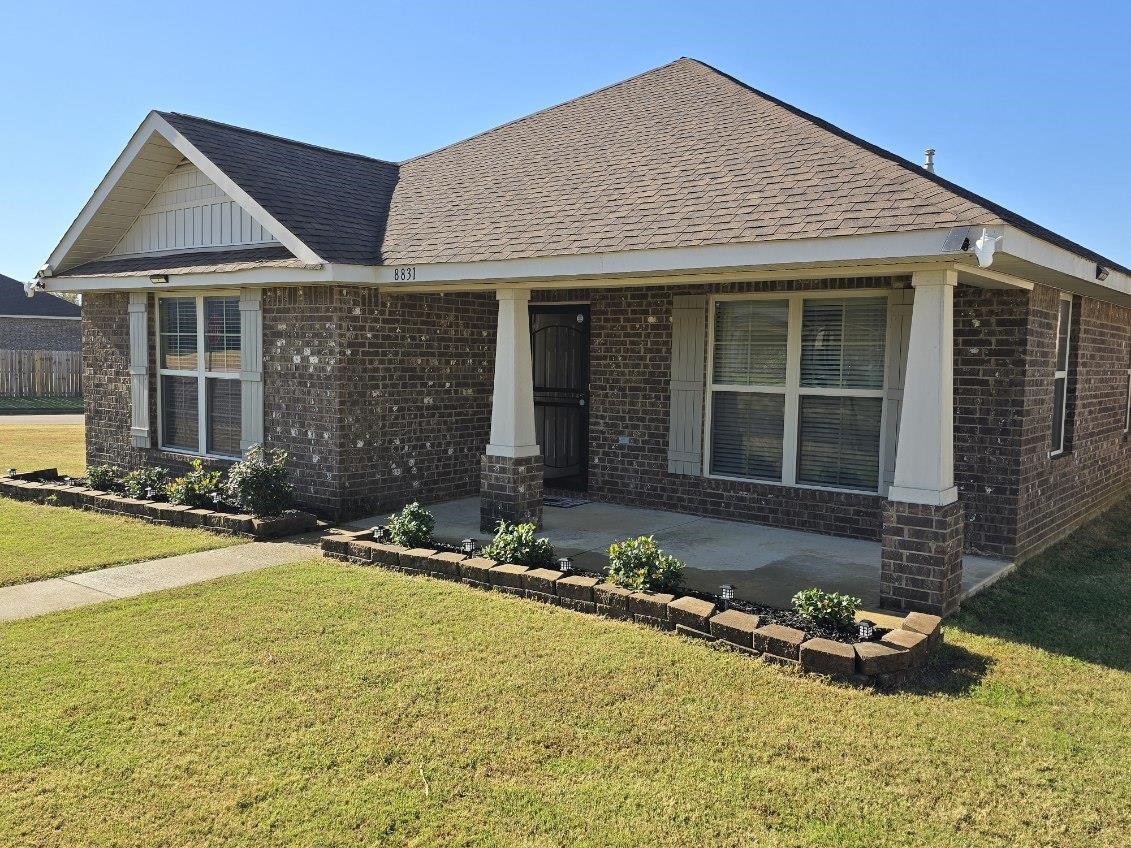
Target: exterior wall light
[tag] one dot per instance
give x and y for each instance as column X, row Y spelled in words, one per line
column 565, row 565
column 158, row 279
column 1101, row 273
column 468, row 546
column 865, row 629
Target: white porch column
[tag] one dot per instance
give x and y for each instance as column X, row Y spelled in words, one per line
column 512, row 413
column 924, row 462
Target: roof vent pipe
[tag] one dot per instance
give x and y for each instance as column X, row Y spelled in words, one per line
column 929, row 159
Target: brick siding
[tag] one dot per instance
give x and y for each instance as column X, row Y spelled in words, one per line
column 40, row 334
column 1059, row 493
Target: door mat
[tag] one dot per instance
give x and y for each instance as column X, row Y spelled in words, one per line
column 564, row 501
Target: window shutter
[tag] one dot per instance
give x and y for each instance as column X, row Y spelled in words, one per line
column 139, row 370
column 251, row 369
column 685, row 431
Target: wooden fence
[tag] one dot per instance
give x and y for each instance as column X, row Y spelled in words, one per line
column 40, row 373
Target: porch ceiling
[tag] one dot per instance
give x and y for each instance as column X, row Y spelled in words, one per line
column 765, row 564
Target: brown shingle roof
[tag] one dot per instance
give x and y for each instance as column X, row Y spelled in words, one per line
column 682, row 155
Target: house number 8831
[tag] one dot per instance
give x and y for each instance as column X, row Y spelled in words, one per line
column 402, row 275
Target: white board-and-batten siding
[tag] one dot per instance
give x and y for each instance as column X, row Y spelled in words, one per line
column 190, row 211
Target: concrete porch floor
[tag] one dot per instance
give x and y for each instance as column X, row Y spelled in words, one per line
column 765, row 564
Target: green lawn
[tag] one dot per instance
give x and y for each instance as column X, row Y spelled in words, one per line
column 45, row 541
column 325, row 704
column 29, row 447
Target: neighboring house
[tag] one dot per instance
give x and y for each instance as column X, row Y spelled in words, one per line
column 36, row 323
column 675, row 292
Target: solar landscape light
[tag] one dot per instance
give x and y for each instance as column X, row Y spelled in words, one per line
column 726, row 593
column 565, row 565
column 865, row 629
column 468, row 546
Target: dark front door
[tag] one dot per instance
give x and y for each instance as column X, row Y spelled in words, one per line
column 559, row 342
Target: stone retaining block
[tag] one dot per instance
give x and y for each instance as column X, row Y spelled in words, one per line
column 612, row 601
column 691, row 616
column 824, row 656
column 508, row 578
column 476, row 571
column 650, row 608
column 446, row 564
column 735, row 628
column 575, row 592
column 873, row 658
column 777, row 640
column 417, row 560
column 540, row 584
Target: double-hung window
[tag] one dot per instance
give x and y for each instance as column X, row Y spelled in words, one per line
column 199, row 368
column 1060, row 376
column 797, row 389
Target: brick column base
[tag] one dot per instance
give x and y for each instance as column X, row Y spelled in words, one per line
column 510, row 489
column 922, row 557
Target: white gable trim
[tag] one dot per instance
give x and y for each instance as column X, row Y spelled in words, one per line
column 155, row 124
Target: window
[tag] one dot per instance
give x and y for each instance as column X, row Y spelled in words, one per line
column 199, row 373
column 1060, row 376
column 797, row 389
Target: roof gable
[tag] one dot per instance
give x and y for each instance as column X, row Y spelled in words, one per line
column 14, row 301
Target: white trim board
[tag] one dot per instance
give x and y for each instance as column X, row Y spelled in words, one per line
column 131, row 199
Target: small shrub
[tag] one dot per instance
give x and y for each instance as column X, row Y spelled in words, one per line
column 259, row 484
column 146, row 483
column 412, row 527
column 516, row 544
column 826, row 607
column 198, row 488
column 105, row 478
column 640, row 564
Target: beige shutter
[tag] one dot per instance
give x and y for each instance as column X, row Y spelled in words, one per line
column 685, row 431
column 139, row 370
column 251, row 369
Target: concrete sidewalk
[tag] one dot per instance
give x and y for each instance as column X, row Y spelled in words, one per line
column 127, row 581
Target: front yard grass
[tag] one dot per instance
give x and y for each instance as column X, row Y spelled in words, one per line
column 326, row 704
column 29, row 447
column 45, row 541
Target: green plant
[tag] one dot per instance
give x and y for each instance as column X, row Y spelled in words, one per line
column 516, row 544
column 826, row 607
column 198, row 488
column 259, row 484
column 146, row 483
column 105, row 478
column 412, row 527
column 640, row 564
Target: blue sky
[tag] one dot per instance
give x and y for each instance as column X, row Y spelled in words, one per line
column 1029, row 105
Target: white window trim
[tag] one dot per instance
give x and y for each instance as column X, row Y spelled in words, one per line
column 793, row 390
column 202, row 375
column 1059, row 373
column 1127, row 420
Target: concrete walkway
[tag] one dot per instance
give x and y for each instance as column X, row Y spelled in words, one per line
column 41, row 419
column 127, row 581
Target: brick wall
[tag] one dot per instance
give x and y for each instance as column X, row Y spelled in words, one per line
column 1059, row 493
column 989, row 396
column 630, row 362
column 378, row 400
column 40, row 333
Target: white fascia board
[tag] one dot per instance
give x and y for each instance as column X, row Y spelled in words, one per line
column 920, row 245
column 137, row 141
column 45, row 317
column 229, row 187
column 1027, row 248
column 265, row 276
column 154, row 123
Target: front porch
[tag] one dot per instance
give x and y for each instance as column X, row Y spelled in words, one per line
column 766, row 565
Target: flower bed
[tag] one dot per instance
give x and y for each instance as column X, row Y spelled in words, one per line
column 46, row 487
column 756, row 631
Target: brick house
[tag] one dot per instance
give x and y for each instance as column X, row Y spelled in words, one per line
column 675, row 292
column 37, row 323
